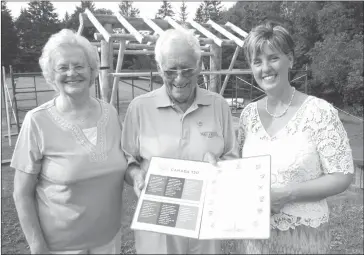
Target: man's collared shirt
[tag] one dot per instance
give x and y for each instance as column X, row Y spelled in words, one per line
column 154, row 126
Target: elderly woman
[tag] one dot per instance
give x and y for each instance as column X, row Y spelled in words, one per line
column 178, row 120
column 309, row 148
column 68, row 158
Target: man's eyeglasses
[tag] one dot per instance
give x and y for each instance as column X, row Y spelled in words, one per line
column 64, row 69
column 173, row 73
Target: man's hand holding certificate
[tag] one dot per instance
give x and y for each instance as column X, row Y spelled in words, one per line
column 200, row 200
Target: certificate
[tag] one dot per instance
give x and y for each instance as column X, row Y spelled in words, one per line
column 198, row 200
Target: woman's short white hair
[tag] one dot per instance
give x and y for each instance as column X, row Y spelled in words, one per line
column 67, row 37
column 177, row 34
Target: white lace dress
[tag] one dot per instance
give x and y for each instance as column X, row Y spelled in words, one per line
column 313, row 143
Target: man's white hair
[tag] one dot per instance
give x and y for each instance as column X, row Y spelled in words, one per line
column 171, row 35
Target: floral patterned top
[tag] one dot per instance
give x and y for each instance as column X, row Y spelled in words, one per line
column 313, row 143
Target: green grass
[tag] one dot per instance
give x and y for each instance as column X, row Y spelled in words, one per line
column 346, row 227
column 346, row 224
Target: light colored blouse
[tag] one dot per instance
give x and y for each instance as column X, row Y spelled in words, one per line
column 80, row 184
column 313, row 143
column 91, row 134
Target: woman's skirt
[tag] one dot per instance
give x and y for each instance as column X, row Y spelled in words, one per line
column 301, row 240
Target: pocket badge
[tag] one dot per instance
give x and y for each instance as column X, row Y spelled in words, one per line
column 209, row 134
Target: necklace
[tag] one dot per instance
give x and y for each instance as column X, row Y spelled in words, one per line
column 285, row 111
column 87, row 114
column 75, row 116
column 84, row 118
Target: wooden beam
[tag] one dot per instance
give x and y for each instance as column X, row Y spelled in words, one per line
column 115, row 86
column 231, row 66
column 105, row 87
column 206, row 33
column 81, row 26
column 139, row 37
column 226, row 33
column 150, row 42
column 5, row 161
column 109, row 28
column 173, row 23
column 153, row 38
column 137, row 23
column 97, row 25
column 130, row 37
column 136, row 52
column 129, row 45
column 137, row 74
column 135, row 46
column 215, row 65
column 154, row 26
column 204, row 75
column 6, row 100
column 151, row 52
column 237, row 29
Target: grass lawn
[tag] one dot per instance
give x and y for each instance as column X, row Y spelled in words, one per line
column 346, row 223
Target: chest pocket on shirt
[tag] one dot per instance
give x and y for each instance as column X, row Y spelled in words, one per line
column 211, row 139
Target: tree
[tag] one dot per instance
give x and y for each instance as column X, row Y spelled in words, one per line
column 301, row 20
column 165, row 10
column 66, row 19
column 202, row 12
column 183, row 12
column 9, row 39
column 126, row 9
column 337, row 58
column 214, row 10
column 104, row 11
column 24, row 33
column 208, row 10
column 35, row 25
column 74, row 19
column 353, row 93
column 348, row 18
column 199, row 18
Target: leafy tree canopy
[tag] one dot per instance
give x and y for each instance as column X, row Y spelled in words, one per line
column 183, row 14
column 9, row 39
column 126, row 9
column 165, row 10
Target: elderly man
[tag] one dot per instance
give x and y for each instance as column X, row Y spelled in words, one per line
column 178, row 120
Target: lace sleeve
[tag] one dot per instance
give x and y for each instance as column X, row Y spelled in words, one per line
column 331, row 139
column 243, row 127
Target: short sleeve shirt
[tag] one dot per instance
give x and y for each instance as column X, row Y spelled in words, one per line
column 153, row 126
column 80, row 184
